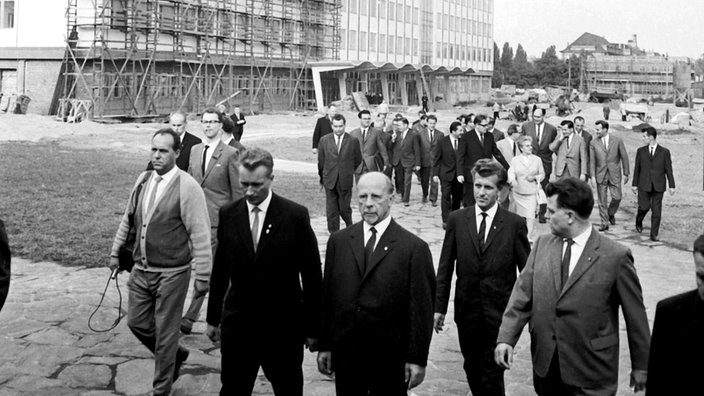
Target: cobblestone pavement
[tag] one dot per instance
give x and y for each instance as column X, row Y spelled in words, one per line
column 46, row 347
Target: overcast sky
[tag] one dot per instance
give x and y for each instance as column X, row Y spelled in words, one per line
column 675, row 27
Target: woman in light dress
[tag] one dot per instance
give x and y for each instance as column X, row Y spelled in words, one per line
column 524, row 175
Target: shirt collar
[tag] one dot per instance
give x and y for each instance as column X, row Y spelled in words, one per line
column 581, row 239
column 491, row 212
column 380, row 226
column 263, row 206
column 653, row 147
column 166, row 177
column 213, row 143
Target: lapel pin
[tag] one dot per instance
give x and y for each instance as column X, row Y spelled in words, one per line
column 267, row 231
column 589, row 259
column 386, row 248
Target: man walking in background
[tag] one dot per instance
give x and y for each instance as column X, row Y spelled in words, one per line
column 445, row 171
column 405, row 157
column 238, row 120
column 653, row 165
column 179, row 122
column 608, row 159
column 543, row 134
column 339, row 156
column 571, row 153
column 213, row 165
column 170, row 218
column 371, row 145
column 323, row 126
column 429, row 137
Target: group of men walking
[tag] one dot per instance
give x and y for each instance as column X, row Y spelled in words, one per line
column 258, row 255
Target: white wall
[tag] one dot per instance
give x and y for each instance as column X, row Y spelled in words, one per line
column 38, row 23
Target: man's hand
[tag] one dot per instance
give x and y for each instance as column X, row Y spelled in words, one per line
column 436, row 179
column 672, row 191
column 325, row 362
column 439, row 322
column 460, row 179
column 503, row 355
column 315, row 151
column 114, row 263
column 213, row 333
column 634, row 189
column 312, row 344
column 638, row 380
column 625, row 179
column 414, row 375
column 201, row 286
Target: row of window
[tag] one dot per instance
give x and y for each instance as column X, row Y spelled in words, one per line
column 450, row 23
column 7, row 14
column 462, row 53
column 380, row 7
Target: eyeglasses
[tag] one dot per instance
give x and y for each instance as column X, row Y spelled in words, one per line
column 484, row 125
column 211, row 122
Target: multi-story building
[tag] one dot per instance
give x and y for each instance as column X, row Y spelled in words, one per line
column 138, row 58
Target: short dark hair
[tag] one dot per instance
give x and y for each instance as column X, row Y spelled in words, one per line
column 486, row 167
column 403, row 120
column 651, row 131
column 464, row 118
column 699, row 244
column 213, row 110
column 455, row 125
column 579, row 118
column 479, row 118
column 603, row 124
column 423, row 117
column 254, row 157
column 168, row 131
column 513, row 128
column 572, row 194
column 364, row 112
column 567, row 123
column 338, row 117
column 432, row 117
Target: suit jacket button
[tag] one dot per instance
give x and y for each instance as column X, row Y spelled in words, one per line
column 553, row 337
column 358, row 309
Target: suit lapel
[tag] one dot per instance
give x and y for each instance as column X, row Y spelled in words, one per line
column 496, row 227
column 383, row 247
column 272, row 221
column 243, row 227
column 472, row 224
column 357, row 244
column 589, row 256
column 217, row 152
column 196, row 167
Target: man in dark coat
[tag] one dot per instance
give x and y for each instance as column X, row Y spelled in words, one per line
column 323, row 127
column 674, row 368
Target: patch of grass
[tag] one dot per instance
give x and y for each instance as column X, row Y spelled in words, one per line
column 292, row 149
column 64, row 204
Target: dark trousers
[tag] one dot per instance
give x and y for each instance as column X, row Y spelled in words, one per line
column 451, row 197
column 358, row 375
column 552, row 385
column 404, row 176
column 154, row 312
column 337, row 204
column 280, row 358
column 648, row 200
column 485, row 377
column 429, row 186
column 468, row 190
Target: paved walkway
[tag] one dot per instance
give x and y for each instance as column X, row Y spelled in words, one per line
column 46, row 347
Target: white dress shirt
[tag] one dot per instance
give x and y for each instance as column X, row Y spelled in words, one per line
column 577, row 247
column 165, row 180
column 263, row 208
column 380, row 229
column 651, row 149
column 491, row 213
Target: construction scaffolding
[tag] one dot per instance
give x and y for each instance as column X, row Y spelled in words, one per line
column 137, row 58
column 629, row 74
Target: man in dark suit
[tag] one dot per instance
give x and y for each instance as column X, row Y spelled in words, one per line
column 490, row 245
column 582, row 132
column 323, row 127
column 445, row 170
column 378, row 291
column 674, row 368
column 339, row 156
column 371, row 144
column 653, row 165
column 570, row 291
column 5, row 259
column 213, row 165
column 608, row 158
column 429, row 137
column 238, row 120
column 268, row 265
column 405, row 157
column 179, row 122
column 474, row 146
column 498, row 134
column 543, row 134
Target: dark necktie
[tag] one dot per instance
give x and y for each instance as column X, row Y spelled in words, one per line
column 369, row 249
column 337, row 143
column 481, row 139
column 454, row 143
column 514, row 148
column 205, row 155
column 566, row 262
column 255, row 227
column 652, row 152
column 568, row 143
column 364, row 135
column 482, row 230
column 540, row 135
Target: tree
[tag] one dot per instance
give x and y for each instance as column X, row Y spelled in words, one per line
column 506, row 62
column 699, row 66
column 549, row 70
column 497, row 78
column 521, row 72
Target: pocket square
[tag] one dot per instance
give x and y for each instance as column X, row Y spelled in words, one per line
column 218, row 165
